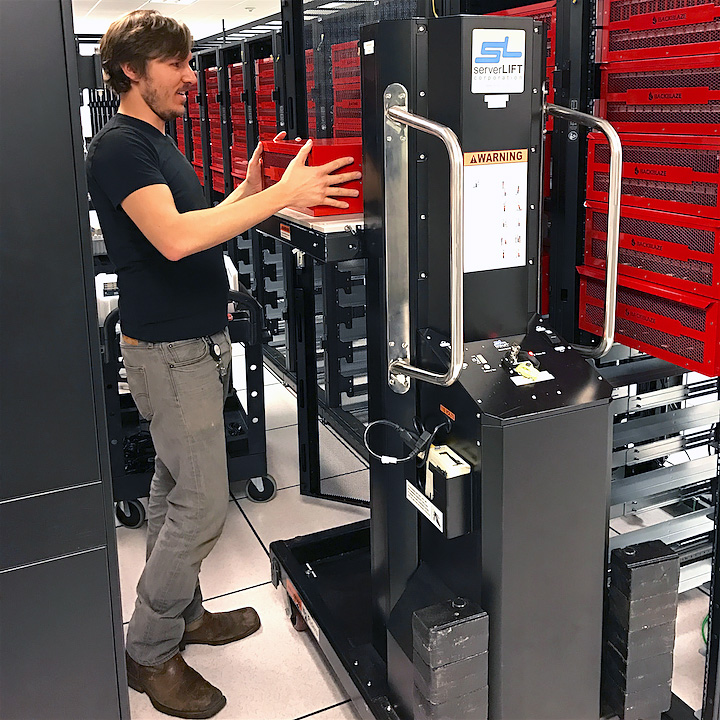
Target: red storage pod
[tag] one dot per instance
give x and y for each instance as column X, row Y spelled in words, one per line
column 642, row 29
column 277, row 156
column 660, row 172
column 672, row 250
column 671, row 325
column 675, row 95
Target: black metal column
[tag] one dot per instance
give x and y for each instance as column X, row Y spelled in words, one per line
column 301, row 283
column 573, row 89
column 62, row 652
column 293, row 62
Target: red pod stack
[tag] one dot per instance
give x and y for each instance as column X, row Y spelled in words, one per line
column 660, row 89
column 180, row 134
column 277, row 156
column 310, row 87
column 193, row 108
column 264, row 98
column 238, row 147
column 212, row 93
column 346, row 90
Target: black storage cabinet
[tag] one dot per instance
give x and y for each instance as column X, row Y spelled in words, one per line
column 61, row 653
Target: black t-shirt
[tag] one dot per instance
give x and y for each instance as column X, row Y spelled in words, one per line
column 160, row 300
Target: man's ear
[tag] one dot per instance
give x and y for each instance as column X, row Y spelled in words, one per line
column 131, row 72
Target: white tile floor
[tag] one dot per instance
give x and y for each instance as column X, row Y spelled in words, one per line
column 278, row 673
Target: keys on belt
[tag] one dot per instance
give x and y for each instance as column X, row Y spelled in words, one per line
column 216, row 355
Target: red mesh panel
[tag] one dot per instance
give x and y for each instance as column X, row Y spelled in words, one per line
column 699, row 159
column 696, row 239
column 676, row 326
column 691, row 194
column 620, row 82
column 664, row 114
column 625, row 9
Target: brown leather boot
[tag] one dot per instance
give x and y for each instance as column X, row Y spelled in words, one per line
column 222, row 628
column 174, row 688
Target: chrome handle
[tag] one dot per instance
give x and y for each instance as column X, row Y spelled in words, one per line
column 613, row 233
column 397, row 281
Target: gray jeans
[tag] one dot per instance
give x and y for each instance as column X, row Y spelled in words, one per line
column 177, row 387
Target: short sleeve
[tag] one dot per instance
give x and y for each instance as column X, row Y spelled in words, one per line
column 124, row 162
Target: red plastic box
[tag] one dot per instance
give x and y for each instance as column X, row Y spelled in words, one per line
column 672, row 250
column 277, row 156
column 642, row 29
column 671, row 325
column 660, row 172
column 677, row 95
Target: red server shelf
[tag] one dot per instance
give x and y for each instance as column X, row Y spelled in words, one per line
column 643, row 29
column 660, row 172
column 677, row 95
column 671, row 325
column 277, row 156
column 676, row 251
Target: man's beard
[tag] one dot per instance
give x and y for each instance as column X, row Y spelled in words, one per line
column 151, row 97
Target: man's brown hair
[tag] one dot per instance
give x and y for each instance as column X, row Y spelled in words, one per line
column 137, row 37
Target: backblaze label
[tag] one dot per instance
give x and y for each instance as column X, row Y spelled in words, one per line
column 498, row 61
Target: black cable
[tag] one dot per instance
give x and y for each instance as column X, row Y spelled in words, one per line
column 420, row 440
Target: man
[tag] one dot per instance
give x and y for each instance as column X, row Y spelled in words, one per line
column 165, row 244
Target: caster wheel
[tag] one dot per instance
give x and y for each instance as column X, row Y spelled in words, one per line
column 130, row 513
column 266, row 493
column 296, row 619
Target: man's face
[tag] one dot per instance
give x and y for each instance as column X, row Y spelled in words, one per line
column 165, row 84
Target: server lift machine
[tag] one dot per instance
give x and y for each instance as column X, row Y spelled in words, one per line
column 476, row 588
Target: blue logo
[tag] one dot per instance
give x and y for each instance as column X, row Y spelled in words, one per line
column 491, row 52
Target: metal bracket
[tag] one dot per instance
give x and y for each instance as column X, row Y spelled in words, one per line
column 397, row 226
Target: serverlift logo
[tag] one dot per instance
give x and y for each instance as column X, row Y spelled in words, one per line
column 498, row 61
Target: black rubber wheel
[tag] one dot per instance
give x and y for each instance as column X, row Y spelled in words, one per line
column 296, row 619
column 268, row 492
column 130, row 513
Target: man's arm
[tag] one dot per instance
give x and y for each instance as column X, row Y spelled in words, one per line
column 177, row 235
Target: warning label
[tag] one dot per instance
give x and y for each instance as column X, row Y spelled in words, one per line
column 495, row 157
column 433, row 514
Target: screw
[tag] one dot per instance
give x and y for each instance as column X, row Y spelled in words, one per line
column 535, row 91
column 422, row 217
column 533, row 149
column 421, row 28
column 534, row 397
column 389, row 139
column 422, row 156
column 530, row 261
column 423, row 276
column 532, row 207
column 388, row 96
column 422, row 93
column 478, row 416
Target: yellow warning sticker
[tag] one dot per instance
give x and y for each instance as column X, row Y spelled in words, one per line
column 495, row 157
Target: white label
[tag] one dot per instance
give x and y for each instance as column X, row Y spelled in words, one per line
column 369, row 47
column 424, row 505
column 542, row 376
column 285, row 232
column 498, row 61
column 495, row 209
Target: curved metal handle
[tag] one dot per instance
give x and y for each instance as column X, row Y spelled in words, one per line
column 400, row 368
column 613, row 233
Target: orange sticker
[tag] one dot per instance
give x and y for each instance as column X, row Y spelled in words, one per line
column 293, row 593
column 495, row 157
column 447, row 412
column 285, row 232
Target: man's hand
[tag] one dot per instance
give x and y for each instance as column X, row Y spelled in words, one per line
column 308, row 186
column 253, row 182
